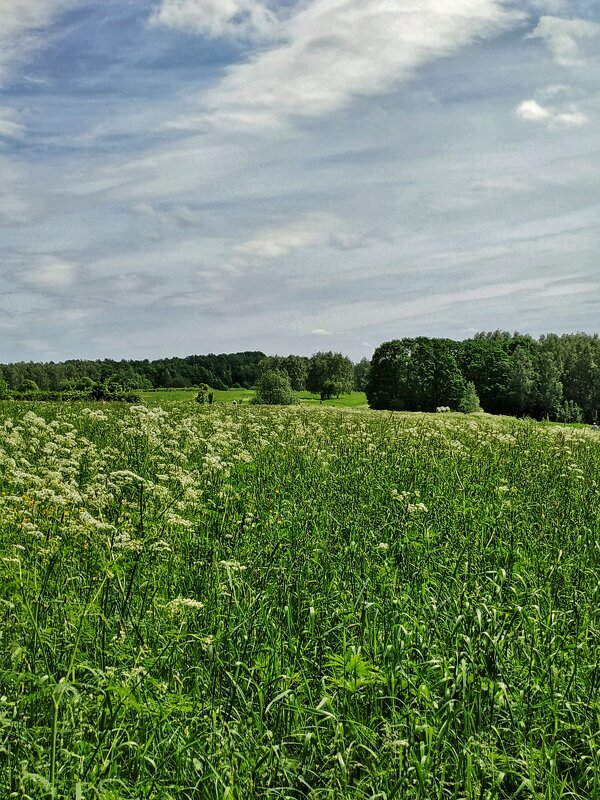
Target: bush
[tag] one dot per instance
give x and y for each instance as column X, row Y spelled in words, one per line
column 274, row 389
column 569, row 411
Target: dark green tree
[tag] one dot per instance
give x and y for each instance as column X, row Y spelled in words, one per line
column 415, row 375
column 329, row 375
column 5, row 392
column 361, row 374
column 388, row 375
column 548, row 389
column 296, row 368
column 521, row 382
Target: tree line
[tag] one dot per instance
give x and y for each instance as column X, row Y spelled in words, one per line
column 553, row 377
column 239, row 370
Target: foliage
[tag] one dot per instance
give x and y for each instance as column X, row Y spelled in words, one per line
column 329, row 375
column 568, row 411
column 299, row 602
column 469, row 402
column 296, row 368
column 274, row 389
column 512, row 374
column 205, row 394
column 92, row 391
column 415, row 375
column 361, row 374
column 5, row 392
column 219, row 371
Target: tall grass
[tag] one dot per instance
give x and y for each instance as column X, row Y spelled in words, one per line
column 296, row 603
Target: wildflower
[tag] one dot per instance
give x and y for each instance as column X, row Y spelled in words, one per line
column 179, row 604
column 232, row 566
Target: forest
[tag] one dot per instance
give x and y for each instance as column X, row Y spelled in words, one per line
column 554, row 377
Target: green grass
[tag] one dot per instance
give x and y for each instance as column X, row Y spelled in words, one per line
column 305, row 602
column 353, row 400
column 169, row 396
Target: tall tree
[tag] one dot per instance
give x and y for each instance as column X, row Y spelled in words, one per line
column 386, row 383
column 548, row 389
column 521, row 381
column 361, row 374
column 329, row 375
column 415, row 375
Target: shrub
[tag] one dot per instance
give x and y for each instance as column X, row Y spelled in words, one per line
column 274, row 389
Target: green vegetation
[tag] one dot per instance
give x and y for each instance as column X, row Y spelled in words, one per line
column 329, row 375
column 167, row 397
column 307, row 602
column 274, row 389
column 554, row 377
column 351, row 400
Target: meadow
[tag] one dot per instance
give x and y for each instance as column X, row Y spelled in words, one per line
column 165, row 397
column 307, row 602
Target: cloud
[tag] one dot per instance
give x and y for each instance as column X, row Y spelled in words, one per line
column 16, row 207
column 10, row 124
column 215, row 18
column 532, row 111
column 332, row 52
column 577, row 287
column 178, row 214
column 321, row 332
column 278, row 242
column 21, row 22
column 570, row 119
column 562, row 37
column 51, row 272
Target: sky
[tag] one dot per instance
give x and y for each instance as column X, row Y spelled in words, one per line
column 194, row 176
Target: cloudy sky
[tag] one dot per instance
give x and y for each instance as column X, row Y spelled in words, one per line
column 188, row 176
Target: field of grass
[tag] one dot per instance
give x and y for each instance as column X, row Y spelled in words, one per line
column 306, row 602
column 168, row 396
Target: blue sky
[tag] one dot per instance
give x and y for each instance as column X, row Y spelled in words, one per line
column 187, row 176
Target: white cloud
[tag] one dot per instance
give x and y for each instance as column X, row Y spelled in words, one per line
column 277, row 242
column 50, row 272
column 333, row 51
column 563, row 36
column 21, row 22
column 532, row 111
column 576, row 287
column 347, row 240
column 321, row 332
column 570, row 119
column 215, row 18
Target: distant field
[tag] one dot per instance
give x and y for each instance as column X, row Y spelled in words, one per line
column 168, row 396
column 354, row 400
